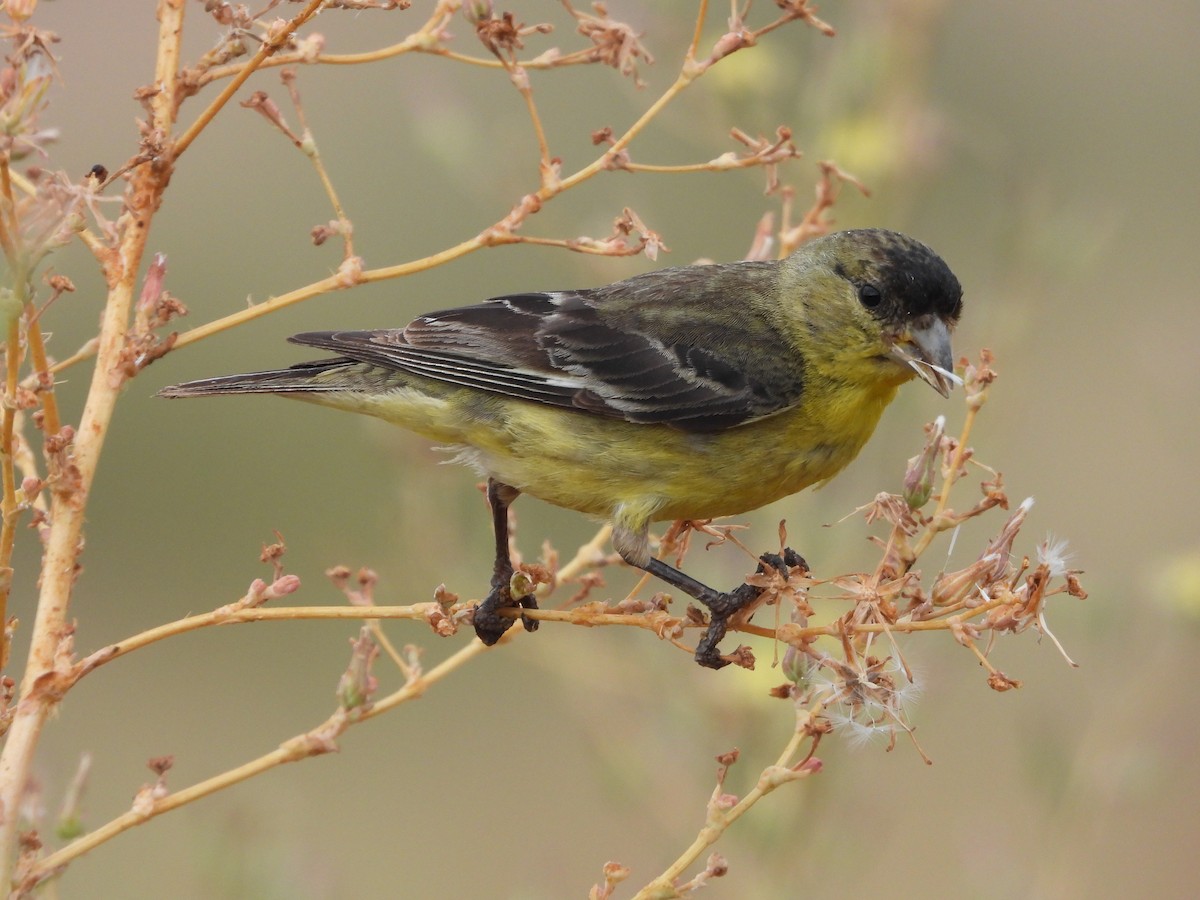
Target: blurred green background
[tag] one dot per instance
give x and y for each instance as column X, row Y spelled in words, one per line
column 1047, row 151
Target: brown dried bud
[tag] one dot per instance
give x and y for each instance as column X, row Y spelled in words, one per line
column 357, row 684
column 919, row 477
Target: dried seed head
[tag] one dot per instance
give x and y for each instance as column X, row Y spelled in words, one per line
column 922, row 468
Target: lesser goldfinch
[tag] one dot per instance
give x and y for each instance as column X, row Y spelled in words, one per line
column 687, row 393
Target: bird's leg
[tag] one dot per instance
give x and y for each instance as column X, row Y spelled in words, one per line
column 489, row 625
column 722, row 606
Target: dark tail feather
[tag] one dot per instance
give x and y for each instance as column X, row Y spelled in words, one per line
column 300, row 378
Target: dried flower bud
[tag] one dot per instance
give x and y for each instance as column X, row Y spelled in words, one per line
column 952, row 587
column 31, row 486
column 795, row 665
column 1001, row 546
column 977, row 379
column 614, row 871
column 919, row 477
column 357, row 684
column 152, row 284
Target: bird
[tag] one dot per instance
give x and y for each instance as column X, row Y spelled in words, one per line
column 686, row 393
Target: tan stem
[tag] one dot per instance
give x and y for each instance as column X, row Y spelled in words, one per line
column 38, row 697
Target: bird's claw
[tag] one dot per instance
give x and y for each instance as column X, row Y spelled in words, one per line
column 782, row 562
column 490, row 626
column 724, row 606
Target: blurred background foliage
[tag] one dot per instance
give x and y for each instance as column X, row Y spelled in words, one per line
column 1047, row 151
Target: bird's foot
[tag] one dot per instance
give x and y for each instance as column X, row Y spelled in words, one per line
column 490, row 625
column 725, row 606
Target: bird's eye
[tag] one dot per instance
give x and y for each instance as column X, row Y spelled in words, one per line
column 869, row 296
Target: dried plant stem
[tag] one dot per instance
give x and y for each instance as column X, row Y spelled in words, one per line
column 41, row 367
column 8, row 225
column 39, row 686
column 424, row 39
column 310, row 743
column 9, row 233
column 324, row 286
column 268, row 49
column 936, row 525
column 575, row 245
column 347, row 231
column 406, row 669
column 308, row 146
column 497, row 234
column 83, row 354
column 235, row 616
column 520, row 79
column 40, row 689
column 718, row 821
column 421, row 41
column 745, row 162
column 8, row 502
column 583, row 559
column 687, row 74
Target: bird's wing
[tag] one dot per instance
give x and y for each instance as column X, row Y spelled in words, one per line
column 569, row 349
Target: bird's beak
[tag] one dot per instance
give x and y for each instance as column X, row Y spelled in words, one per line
column 926, row 350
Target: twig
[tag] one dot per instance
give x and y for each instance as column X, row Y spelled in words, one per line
column 8, row 480
column 721, row 815
column 309, row 743
column 269, row 48
column 42, row 674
